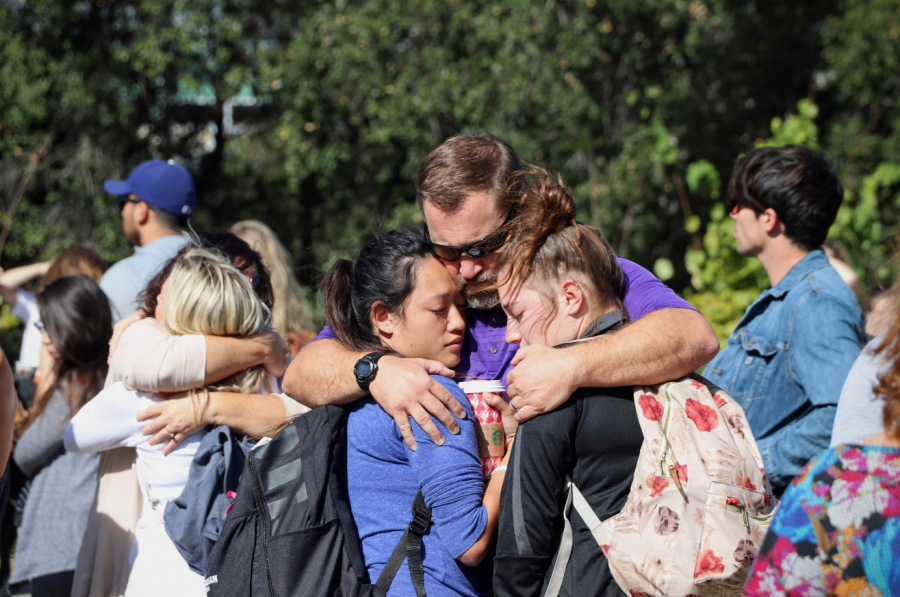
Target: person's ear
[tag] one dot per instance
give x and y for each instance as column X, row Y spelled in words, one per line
column 771, row 224
column 383, row 320
column 141, row 213
column 571, row 297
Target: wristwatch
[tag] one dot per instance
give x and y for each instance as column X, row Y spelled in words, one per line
column 366, row 368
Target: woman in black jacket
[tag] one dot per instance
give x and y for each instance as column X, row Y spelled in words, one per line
column 560, row 282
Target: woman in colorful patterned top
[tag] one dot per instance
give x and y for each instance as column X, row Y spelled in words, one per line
column 838, row 529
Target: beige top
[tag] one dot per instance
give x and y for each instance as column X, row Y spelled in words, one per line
column 150, row 360
column 153, row 361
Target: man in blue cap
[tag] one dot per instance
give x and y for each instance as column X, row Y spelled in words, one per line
column 156, row 202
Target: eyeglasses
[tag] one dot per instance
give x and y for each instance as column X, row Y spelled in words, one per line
column 478, row 249
column 124, row 200
column 40, row 326
column 261, row 287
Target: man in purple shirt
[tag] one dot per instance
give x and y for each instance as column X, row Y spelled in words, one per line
column 463, row 190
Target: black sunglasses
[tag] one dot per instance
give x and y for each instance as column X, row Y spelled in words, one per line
column 124, row 200
column 478, row 249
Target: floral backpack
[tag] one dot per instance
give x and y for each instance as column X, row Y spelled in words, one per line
column 699, row 505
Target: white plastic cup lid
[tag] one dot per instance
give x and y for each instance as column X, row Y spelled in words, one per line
column 480, row 386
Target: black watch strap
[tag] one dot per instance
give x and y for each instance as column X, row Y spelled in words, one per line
column 366, row 368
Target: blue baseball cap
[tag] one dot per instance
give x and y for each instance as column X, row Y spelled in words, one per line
column 165, row 185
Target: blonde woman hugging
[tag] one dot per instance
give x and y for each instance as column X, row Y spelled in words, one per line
column 205, row 295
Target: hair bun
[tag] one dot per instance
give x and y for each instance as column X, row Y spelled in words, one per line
column 546, row 206
column 559, row 206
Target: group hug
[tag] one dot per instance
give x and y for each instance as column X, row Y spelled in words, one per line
column 499, row 405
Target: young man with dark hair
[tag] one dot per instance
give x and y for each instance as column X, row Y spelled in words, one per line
column 156, row 202
column 465, row 194
column 787, row 359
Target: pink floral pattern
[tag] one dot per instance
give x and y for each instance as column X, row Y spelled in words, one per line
column 745, row 482
column 705, row 418
column 653, row 410
column 690, row 541
column 656, row 485
column 707, row 564
column 836, row 532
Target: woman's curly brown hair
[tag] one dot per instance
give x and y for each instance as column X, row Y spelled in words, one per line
column 547, row 242
column 888, row 386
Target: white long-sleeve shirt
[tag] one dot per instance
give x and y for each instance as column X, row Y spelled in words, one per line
column 27, row 311
column 155, row 361
column 109, row 421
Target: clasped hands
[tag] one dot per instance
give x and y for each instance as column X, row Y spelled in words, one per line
column 541, row 380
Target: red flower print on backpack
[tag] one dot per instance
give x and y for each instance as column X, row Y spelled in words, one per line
column 720, row 402
column 656, row 484
column 745, row 482
column 708, row 564
column 705, row 418
column 653, row 410
column 676, row 538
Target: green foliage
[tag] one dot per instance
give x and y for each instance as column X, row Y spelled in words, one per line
column 798, row 129
column 313, row 116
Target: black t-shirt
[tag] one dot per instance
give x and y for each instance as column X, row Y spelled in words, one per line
column 595, row 439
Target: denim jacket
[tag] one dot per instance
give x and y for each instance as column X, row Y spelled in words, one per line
column 787, row 360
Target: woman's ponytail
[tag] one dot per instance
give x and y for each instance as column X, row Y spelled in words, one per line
column 338, row 299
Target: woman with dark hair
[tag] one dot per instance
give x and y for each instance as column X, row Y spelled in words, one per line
column 74, row 261
column 397, row 298
column 560, row 282
column 76, row 324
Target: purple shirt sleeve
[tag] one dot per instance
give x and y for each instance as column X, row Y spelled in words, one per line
column 325, row 334
column 645, row 293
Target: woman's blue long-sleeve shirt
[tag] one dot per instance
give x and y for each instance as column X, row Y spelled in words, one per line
column 383, row 477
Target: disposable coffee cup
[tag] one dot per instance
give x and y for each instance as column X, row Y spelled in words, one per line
column 489, row 432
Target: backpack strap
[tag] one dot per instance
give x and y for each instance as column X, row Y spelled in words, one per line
column 575, row 498
column 586, row 513
column 409, row 547
column 565, row 550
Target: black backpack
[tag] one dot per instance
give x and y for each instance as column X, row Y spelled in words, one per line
column 290, row 532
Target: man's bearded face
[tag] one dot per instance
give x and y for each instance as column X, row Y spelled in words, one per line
column 479, row 299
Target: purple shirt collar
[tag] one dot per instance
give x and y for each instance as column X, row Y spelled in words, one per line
column 485, row 353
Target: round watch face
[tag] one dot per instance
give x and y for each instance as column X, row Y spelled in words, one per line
column 363, row 369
